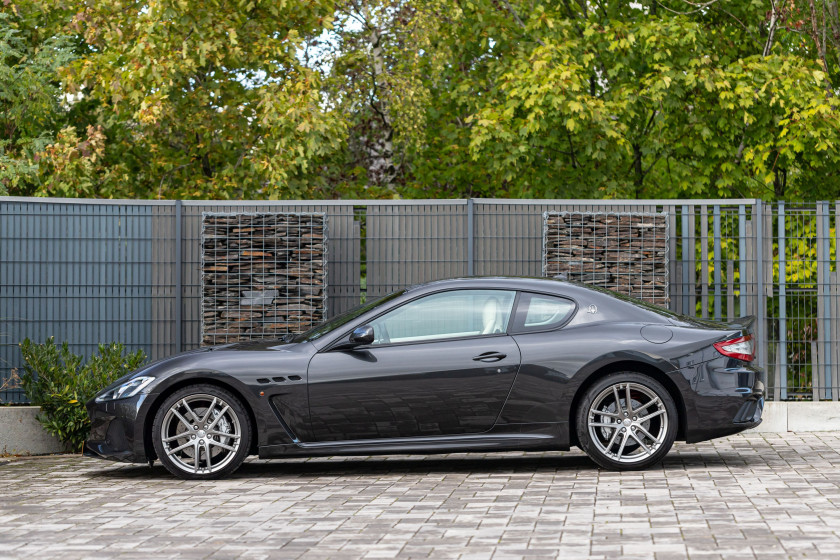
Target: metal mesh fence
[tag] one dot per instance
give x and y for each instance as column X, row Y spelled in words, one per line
column 95, row 271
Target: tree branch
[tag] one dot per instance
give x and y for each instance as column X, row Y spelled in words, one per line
column 815, row 35
column 519, row 21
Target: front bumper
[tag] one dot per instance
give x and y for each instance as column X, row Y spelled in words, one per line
column 116, row 429
column 727, row 398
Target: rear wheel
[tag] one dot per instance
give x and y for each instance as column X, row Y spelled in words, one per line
column 201, row 432
column 627, row 421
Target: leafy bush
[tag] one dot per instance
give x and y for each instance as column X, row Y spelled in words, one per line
column 60, row 383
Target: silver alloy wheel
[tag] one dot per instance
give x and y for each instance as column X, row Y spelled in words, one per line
column 627, row 422
column 200, row 433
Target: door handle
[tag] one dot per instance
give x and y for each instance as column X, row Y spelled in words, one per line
column 490, row 357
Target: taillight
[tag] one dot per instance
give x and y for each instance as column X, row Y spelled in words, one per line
column 741, row 348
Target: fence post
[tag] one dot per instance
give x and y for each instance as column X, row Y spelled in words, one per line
column 781, row 373
column 717, row 264
column 761, row 303
column 179, row 273
column 835, row 302
column 704, row 261
column 470, row 238
column 742, row 260
column 824, row 264
column 687, row 249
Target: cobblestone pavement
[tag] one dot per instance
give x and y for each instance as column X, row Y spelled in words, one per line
column 757, row 495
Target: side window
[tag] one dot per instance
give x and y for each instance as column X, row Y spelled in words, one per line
column 538, row 312
column 445, row 315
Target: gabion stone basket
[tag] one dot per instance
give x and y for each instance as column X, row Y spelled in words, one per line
column 623, row 252
column 263, row 275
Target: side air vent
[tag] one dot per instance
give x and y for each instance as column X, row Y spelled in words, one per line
column 278, row 379
column 263, row 380
column 294, row 377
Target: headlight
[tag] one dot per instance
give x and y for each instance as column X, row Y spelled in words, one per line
column 126, row 390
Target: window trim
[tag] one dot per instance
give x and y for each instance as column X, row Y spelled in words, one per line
column 520, row 312
column 345, row 335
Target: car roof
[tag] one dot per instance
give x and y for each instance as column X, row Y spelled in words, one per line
column 511, row 282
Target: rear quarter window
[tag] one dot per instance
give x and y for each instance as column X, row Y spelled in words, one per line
column 540, row 312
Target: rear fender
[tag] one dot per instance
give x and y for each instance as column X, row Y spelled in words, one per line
column 677, row 381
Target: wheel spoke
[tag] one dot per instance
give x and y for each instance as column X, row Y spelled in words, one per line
column 629, row 400
column 190, row 410
column 647, row 433
column 223, row 434
column 186, row 422
column 218, row 417
column 612, row 440
column 638, row 439
column 222, row 445
column 176, row 436
column 605, row 424
column 179, row 448
column 607, row 414
column 647, row 405
column 195, row 458
column 208, row 455
column 621, row 447
column 652, row 415
column 617, row 399
column 209, row 410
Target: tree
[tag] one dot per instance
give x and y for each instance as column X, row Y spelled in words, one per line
column 630, row 101
column 31, row 111
column 427, row 98
column 205, row 100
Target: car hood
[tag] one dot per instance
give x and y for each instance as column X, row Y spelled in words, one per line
column 258, row 345
column 209, row 357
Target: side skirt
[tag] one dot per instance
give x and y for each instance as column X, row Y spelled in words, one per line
column 509, row 437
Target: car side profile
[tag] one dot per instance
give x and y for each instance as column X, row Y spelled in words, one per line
column 473, row 364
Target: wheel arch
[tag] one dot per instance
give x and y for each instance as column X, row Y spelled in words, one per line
column 196, row 380
column 636, row 366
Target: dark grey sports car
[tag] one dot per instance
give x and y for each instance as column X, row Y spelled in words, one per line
column 457, row 365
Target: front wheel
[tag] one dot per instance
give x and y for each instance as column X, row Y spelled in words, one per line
column 201, row 432
column 627, row 421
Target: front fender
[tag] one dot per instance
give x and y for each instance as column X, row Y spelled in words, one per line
column 174, row 380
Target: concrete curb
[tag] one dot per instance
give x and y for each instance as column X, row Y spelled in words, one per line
column 18, row 458
column 800, row 417
column 22, row 434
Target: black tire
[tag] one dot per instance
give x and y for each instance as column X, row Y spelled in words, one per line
column 226, row 443
column 600, row 408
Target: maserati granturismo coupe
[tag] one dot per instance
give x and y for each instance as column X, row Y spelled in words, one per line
column 474, row 364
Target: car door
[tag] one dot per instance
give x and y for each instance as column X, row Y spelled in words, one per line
column 442, row 364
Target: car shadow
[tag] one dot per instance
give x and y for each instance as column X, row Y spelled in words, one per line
column 378, row 466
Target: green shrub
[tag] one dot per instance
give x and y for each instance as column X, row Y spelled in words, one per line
column 60, row 383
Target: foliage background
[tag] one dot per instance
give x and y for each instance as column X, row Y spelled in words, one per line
column 282, row 99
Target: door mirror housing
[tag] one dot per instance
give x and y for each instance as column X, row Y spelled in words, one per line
column 362, row 335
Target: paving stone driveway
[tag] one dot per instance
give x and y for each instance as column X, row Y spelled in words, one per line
column 757, row 495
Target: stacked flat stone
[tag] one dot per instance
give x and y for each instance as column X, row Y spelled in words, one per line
column 623, row 252
column 263, row 275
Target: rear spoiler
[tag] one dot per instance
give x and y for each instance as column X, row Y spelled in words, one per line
column 744, row 324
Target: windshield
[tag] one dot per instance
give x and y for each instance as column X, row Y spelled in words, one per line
column 340, row 320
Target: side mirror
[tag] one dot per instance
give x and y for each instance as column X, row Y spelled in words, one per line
column 362, row 335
